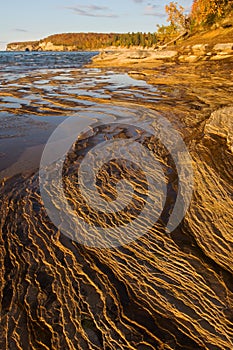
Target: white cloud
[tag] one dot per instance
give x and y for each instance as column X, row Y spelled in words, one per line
column 92, row 11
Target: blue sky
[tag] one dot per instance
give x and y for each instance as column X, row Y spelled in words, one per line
column 31, row 20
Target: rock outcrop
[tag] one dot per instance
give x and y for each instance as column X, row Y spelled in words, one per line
column 23, row 46
column 220, row 125
column 190, row 54
column 38, row 46
column 170, row 291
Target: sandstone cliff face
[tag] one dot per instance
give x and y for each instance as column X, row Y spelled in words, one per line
column 23, row 46
column 49, row 46
column 38, row 46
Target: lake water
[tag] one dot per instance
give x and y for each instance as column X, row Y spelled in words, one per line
column 40, row 89
column 25, row 61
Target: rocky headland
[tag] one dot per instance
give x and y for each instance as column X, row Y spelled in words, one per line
column 36, row 46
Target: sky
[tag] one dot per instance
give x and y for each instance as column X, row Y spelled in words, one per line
column 24, row 20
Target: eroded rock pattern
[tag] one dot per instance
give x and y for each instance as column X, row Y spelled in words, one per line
column 163, row 291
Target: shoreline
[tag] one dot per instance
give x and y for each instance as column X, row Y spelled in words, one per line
column 209, row 47
column 167, row 284
column 175, row 65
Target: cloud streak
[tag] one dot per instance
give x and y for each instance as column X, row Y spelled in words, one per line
column 152, row 10
column 20, row 30
column 92, row 11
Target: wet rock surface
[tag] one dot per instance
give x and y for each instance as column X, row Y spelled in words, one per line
column 220, row 125
column 163, row 291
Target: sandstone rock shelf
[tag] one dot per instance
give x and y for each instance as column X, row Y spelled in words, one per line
column 163, row 291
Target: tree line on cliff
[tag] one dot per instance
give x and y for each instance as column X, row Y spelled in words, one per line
column 204, row 13
column 90, row 41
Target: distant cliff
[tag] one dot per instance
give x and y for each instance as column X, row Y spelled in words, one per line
column 85, row 41
column 38, row 46
column 23, row 46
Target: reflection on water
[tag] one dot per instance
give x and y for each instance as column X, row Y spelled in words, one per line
column 39, row 90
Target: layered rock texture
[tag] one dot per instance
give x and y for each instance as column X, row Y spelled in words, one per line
column 38, row 46
column 163, row 291
column 188, row 54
